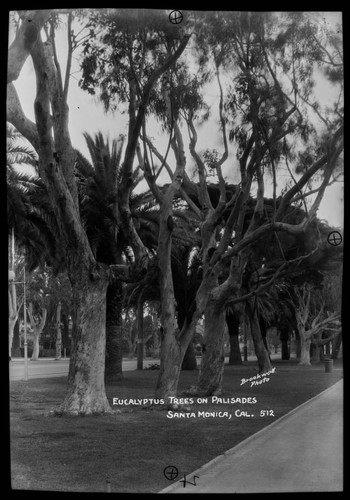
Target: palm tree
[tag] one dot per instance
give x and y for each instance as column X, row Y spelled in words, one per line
column 29, row 210
column 99, row 194
column 30, row 216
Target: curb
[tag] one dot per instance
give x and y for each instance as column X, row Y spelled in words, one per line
column 236, row 448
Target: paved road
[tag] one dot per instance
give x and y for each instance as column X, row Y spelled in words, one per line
column 300, row 452
column 49, row 367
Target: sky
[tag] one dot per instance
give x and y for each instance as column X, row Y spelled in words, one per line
column 87, row 115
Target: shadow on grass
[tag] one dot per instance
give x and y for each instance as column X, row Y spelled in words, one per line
column 133, row 447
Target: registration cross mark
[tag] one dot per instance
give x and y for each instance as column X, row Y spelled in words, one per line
column 334, row 238
column 176, row 17
column 171, row 472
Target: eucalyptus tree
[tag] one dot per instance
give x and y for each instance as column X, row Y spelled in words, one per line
column 313, row 319
column 267, row 117
column 50, row 137
column 268, row 128
column 270, row 61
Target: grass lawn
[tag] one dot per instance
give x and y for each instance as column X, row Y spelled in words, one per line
column 133, row 447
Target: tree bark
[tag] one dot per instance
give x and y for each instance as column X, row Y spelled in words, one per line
column 12, row 322
column 170, row 367
column 305, row 350
column 190, row 361
column 297, row 346
column 13, row 314
column 155, row 344
column 37, row 330
column 16, row 343
column 232, row 320
column 173, row 346
column 114, row 332
column 259, row 346
column 36, row 345
column 235, row 351
column 316, row 354
column 211, row 369
column 86, row 387
column 65, row 332
column 336, row 346
column 25, row 40
column 58, row 332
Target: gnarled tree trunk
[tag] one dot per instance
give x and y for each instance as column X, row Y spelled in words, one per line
column 65, row 332
column 213, row 358
column 16, row 342
column 37, row 330
column 114, row 333
column 86, row 388
column 190, row 361
column 305, row 349
column 259, row 346
column 336, row 346
column 232, row 320
column 13, row 314
column 170, row 367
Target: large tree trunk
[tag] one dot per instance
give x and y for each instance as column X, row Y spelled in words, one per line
column 65, row 332
column 37, row 330
column 315, row 353
column 86, row 387
column 336, row 346
column 155, row 344
column 235, row 351
column 16, row 342
column 190, row 361
column 12, row 322
column 173, row 347
column 50, row 137
column 114, row 333
column 36, row 345
column 305, row 343
column 259, row 346
column 213, row 358
column 297, row 346
column 232, row 320
column 13, row 314
column 170, row 367
column 58, row 332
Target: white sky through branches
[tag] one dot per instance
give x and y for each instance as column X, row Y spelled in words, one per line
column 87, row 115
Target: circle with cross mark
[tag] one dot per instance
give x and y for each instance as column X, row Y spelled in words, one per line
column 171, row 472
column 176, row 17
column 334, row 238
